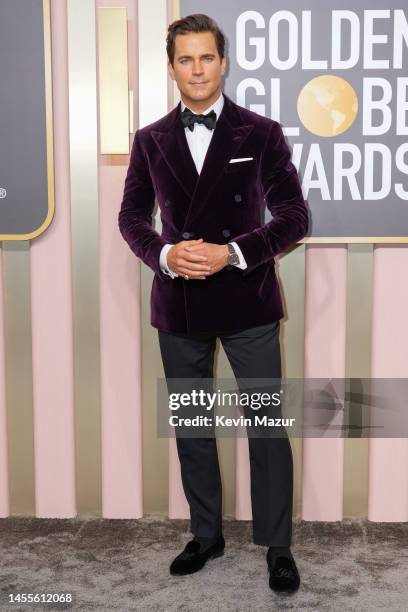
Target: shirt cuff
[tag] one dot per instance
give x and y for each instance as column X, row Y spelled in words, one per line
column 242, row 263
column 163, row 261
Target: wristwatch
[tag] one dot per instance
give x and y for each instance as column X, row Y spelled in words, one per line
column 233, row 258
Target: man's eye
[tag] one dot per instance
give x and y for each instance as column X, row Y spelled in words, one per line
column 207, row 59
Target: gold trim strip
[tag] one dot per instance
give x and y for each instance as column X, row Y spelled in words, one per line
column 131, row 121
column 83, row 134
column 113, row 80
column 358, row 355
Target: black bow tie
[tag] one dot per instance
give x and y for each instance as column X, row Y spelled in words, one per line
column 188, row 119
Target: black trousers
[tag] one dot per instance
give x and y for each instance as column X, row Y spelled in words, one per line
column 252, row 353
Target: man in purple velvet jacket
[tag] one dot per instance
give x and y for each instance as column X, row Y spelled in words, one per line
column 213, row 166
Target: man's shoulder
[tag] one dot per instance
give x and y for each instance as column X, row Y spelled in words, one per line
column 263, row 126
column 159, row 124
column 249, row 116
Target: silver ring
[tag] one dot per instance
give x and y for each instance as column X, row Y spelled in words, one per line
column 186, row 276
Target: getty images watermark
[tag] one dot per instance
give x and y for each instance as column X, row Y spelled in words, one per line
column 253, row 401
column 259, row 407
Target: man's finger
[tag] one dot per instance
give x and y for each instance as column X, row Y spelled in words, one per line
column 192, row 242
column 193, row 247
column 191, row 273
column 193, row 266
column 187, row 254
column 194, row 257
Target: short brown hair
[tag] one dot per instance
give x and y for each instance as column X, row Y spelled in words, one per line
column 193, row 23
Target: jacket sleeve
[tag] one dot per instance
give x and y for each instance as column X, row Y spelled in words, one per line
column 135, row 215
column 283, row 196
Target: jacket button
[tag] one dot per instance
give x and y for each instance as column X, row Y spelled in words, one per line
column 187, row 235
column 226, row 233
column 167, row 203
column 238, row 197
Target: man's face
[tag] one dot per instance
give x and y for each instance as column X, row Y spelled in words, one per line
column 198, row 69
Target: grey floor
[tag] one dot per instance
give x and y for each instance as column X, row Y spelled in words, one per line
column 123, row 565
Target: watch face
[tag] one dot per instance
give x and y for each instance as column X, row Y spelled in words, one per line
column 233, row 259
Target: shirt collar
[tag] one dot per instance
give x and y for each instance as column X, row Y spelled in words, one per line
column 217, row 106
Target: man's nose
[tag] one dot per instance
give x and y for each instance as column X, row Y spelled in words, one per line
column 197, row 68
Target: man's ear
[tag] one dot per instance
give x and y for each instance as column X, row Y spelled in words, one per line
column 223, row 64
column 170, row 70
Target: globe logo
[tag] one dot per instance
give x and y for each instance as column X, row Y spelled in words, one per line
column 327, row 105
column 3, row 193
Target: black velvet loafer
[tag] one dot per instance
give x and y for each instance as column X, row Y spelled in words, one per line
column 191, row 559
column 283, row 575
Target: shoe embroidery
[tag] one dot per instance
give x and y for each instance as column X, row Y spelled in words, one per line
column 282, row 572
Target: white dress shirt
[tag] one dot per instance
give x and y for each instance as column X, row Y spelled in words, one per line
column 198, row 141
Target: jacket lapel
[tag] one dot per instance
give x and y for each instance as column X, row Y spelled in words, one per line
column 229, row 134
column 176, row 153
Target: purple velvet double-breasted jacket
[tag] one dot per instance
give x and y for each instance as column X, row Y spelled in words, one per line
column 224, row 203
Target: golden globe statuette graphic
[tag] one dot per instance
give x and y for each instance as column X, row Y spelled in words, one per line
column 327, row 105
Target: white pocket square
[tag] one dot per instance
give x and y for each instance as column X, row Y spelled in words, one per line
column 238, row 159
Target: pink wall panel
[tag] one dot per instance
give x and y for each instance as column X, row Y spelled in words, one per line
column 51, row 311
column 325, row 343
column 243, row 506
column 388, row 474
column 120, row 334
